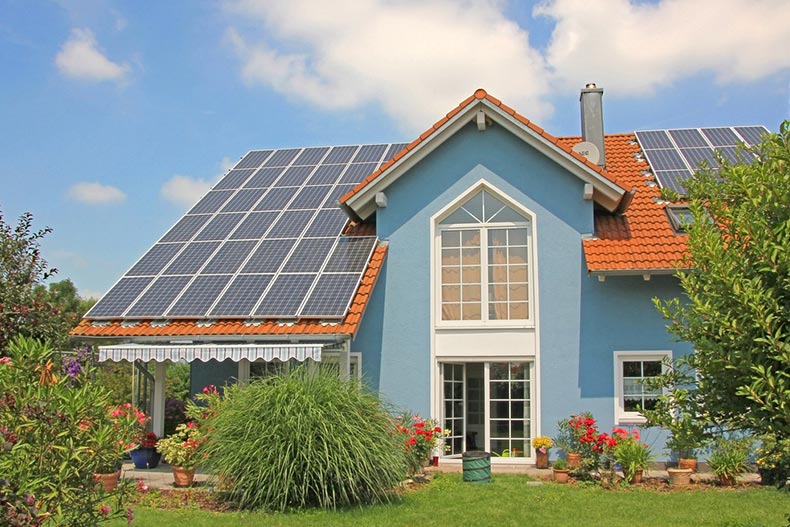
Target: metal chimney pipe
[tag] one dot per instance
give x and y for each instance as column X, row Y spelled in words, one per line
column 591, row 99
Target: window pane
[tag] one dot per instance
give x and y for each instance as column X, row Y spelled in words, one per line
column 470, row 275
column 517, row 236
column 517, row 390
column 497, row 293
column 451, row 256
column 500, row 428
column 517, row 255
column 451, row 293
column 459, row 216
column 471, row 311
column 498, row 371
column 652, row 368
column 649, row 403
column 499, row 409
column 497, row 237
column 451, row 238
column 475, row 205
column 517, row 409
column 500, row 390
column 471, row 256
column 519, row 370
column 632, row 387
column 500, row 446
column 470, row 238
column 497, row 274
column 632, row 404
column 471, row 293
column 497, row 311
column 451, row 312
column 632, row 369
column 518, row 292
column 450, row 275
column 519, row 311
column 517, row 273
column 517, row 428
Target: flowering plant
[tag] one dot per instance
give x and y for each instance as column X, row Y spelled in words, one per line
column 148, row 440
column 420, row 437
column 181, row 448
column 542, row 443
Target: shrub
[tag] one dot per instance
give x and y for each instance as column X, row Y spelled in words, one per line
column 57, row 431
column 181, row 448
column 303, row 440
column 729, row 455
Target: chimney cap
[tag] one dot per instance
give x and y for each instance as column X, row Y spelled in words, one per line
column 590, row 86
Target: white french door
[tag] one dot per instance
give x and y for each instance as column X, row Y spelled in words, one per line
column 487, row 406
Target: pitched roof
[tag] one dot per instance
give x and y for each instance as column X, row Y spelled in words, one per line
column 640, row 240
column 606, row 190
column 228, row 327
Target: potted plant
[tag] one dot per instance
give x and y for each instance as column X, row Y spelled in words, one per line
column 569, row 432
column 561, row 471
column 728, row 458
column 633, row 456
column 125, row 422
column 180, row 450
column 145, row 455
column 542, row 444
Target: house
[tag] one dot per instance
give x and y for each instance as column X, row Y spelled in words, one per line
column 487, row 274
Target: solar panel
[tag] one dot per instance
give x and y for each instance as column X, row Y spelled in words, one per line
column 234, row 179
column 192, row 258
column 309, row 255
column 264, row 178
column 219, row 227
column 351, row 254
column 285, row 295
column 269, row 256
column 211, row 202
column 158, row 297
column 186, row 228
column 199, row 296
column 674, row 155
column 254, row 159
column 229, row 257
column 117, row 299
column 331, row 295
column 254, row 226
column 242, row 295
column 155, row 259
column 258, row 243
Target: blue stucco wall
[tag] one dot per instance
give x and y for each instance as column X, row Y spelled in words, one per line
column 582, row 321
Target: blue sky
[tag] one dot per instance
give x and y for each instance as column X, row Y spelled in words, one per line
column 115, row 116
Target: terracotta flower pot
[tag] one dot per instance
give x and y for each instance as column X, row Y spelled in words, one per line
column 561, row 475
column 541, row 459
column 108, row 481
column 687, row 463
column 637, row 477
column 183, row 477
column 679, row 476
column 574, row 459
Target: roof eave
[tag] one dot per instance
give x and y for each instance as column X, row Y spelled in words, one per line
column 605, row 192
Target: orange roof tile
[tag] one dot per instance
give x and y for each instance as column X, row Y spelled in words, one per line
column 347, row 326
column 478, row 95
column 642, row 238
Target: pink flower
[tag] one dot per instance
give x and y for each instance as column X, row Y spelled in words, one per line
column 104, row 510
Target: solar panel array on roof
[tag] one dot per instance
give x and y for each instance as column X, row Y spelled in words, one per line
column 674, row 155
column 265, row 242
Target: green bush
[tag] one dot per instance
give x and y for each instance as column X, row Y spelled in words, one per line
column 308, row 439
column 56, row 431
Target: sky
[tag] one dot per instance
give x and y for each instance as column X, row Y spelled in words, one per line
column 116, row 116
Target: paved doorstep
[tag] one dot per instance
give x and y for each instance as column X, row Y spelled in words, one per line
column 160, row 477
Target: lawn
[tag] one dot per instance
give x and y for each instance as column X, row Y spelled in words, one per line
column 510, row 501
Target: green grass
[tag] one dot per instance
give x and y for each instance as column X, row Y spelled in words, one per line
column 510, row 501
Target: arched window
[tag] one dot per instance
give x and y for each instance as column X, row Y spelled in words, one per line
column 484, row 262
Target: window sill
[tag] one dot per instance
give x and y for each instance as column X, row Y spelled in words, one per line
column 631, row 420
column 484, row 325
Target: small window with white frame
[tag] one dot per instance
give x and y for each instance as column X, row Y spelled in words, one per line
column 332, row 360
column 631, row 369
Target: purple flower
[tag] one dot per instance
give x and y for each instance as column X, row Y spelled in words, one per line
column 129, row 516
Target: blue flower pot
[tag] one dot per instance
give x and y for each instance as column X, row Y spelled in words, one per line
column 145, row 458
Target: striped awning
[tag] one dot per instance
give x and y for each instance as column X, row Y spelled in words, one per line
column 206, row 352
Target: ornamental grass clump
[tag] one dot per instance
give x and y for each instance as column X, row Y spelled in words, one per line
column 308, row 439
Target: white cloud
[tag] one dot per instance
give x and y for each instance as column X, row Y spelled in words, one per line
column 416, row 60
column 635, row 48
column 184, row 191
column 225, row 165
column 80, row 57
column 96, row 194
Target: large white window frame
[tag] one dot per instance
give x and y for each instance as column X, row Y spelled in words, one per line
column 621, row 415
column 483, row 228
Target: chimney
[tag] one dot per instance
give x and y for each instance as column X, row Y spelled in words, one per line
column 592, row 118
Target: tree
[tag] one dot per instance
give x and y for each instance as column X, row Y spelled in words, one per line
column 27, row 306
column 737, row 310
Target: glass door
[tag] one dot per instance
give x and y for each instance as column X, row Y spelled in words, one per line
column 453, row 380
column 509, row 418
